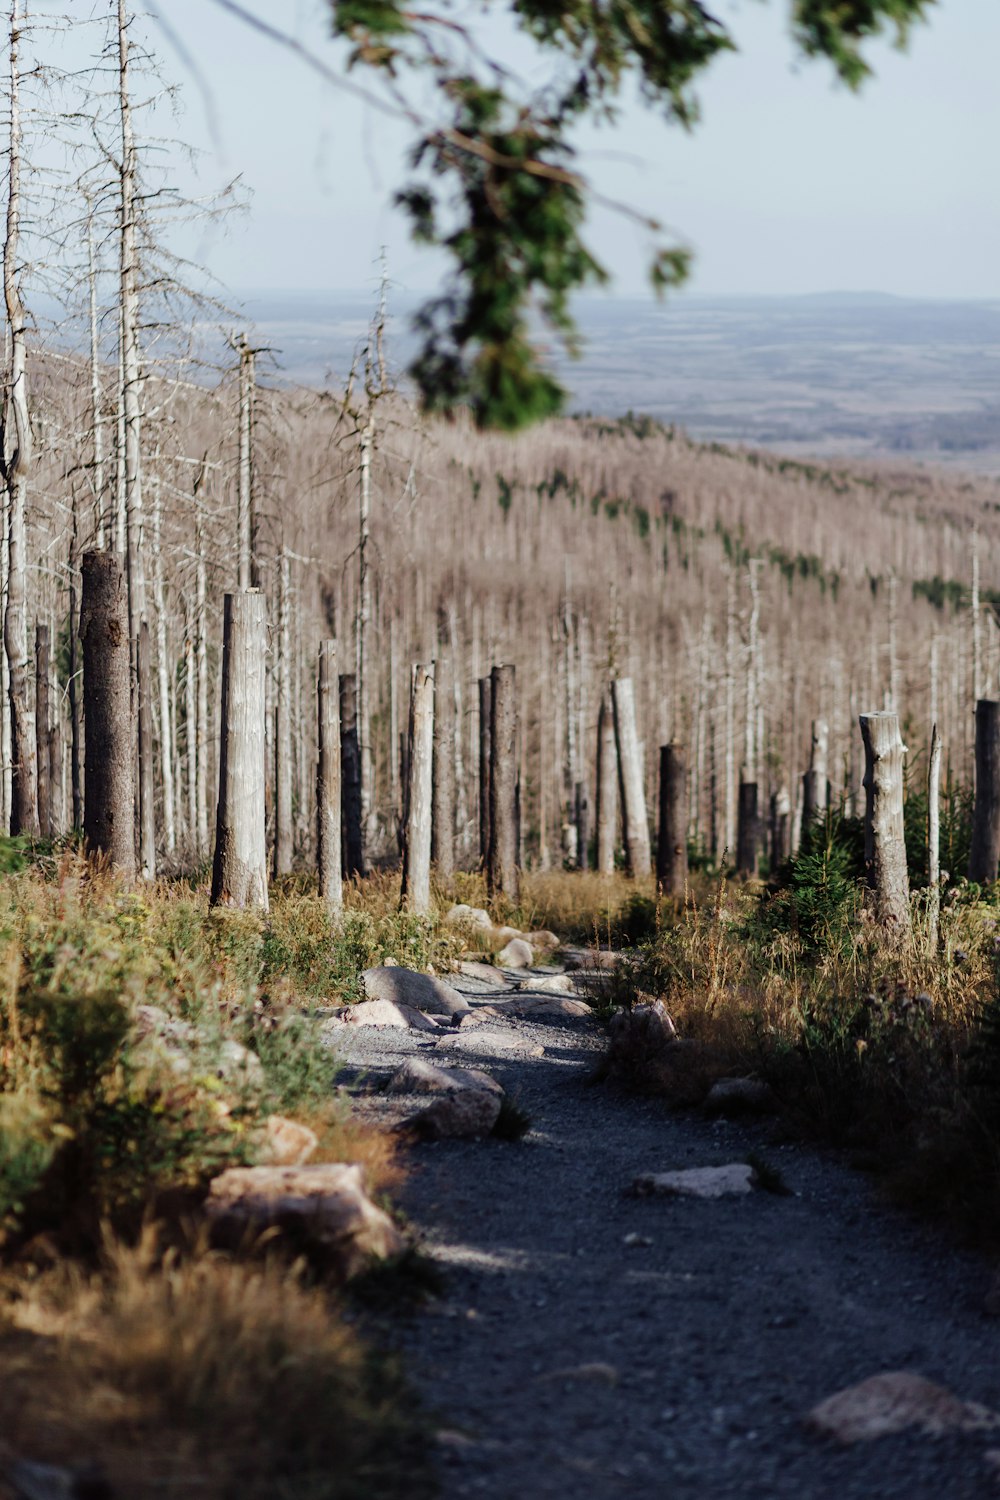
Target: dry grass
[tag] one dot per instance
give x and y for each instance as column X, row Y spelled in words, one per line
column 202, row 1376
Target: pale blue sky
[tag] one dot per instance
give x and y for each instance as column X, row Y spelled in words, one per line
column 790, row 184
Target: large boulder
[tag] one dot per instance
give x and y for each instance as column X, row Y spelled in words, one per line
column 893, row 1401
column 323, row 1210
column 387, row 1013
column 531, row 1007
column 516, row 954
column 286, row 1143
column 423, row 992
column 462, row 1112
column 417, row 1076
column 468, row 916
column 542, row 941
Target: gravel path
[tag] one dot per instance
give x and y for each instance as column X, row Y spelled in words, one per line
column 565, row 1360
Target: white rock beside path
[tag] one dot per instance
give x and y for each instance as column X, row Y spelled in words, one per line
column 892, row 1402
column 733, row 1180
column 516, row 954
column 324, row 1207
column 386, row 1013
column 424, row 992
column 468, row 916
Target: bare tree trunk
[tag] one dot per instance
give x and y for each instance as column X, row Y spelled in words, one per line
column 933, row 840
column 415, row 894
column 985, row 851
column 191, row 730
column 502, row 874
column 17, row 446
column 607, row 788
column 366, row 754
column 443, row 834
column 282, row 728
column 54, row 750
column 239, row 874
column 485, row 737
column 328, row 793
column 163, row 681
column 101, row 520
column 42, row 729
column 350, row 764
column 201, row 730
column 815, row 783
column 147, row 816
column 131, row 409
column 109, row 786
column 781, row 828
column 747, row 829
column 76, row 748
column 581, row 814
column 634, row 821
column 885, row 847
column 671, row 847
column 248, row 567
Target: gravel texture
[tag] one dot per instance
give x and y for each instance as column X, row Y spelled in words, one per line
column 592, row 1344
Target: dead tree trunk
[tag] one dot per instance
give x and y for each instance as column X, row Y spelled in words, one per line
column 76, row 746
column 933, row 840
column 415, row 894
column 109, row 784
column 239, row 873
column 443, row 832
column 485, row 736
column 581, row 814
column 42, row 729
column 671, row 846
column 283, row 837
column 747, row 829
column 985, row 850
column 350, row 767
column 885, row 846
column 781, row 828
column 815, row 783
column 502, row 874
column 57, row 814
column 147, row 814
column 634, row 824
column 328, row 795
column 607, row 788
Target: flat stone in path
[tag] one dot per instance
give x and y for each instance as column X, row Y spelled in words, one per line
column 730, row 1181
column 892, row 1402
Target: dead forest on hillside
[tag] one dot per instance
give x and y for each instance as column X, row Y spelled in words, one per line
column 757, row 606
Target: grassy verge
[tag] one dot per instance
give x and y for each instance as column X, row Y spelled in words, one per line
column 144, row 1042
column 891, row 1052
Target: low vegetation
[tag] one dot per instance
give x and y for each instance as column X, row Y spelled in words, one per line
column 891, row 1053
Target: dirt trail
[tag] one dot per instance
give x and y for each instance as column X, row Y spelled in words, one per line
column 594, row 1345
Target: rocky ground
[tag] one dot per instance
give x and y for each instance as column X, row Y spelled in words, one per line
column 595, row 1343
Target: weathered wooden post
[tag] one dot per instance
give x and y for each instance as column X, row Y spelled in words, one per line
column 815, row 783
column 933, row 840
column 671, row 843
column 781, row 828
column 485, row 736
column 502, row 874
column 42, row 729
column 581, row 815
column 443, row 820
column 885, row 845
column 350, row 770
column 634, row 823
column 607, row 788
column 328, row 795
column 239, row 870
column 415, row 894
column 747, row 829
column 985, row 850
column 109, row 782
